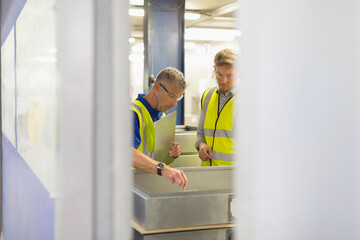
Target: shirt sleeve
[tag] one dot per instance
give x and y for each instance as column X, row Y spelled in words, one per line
column 137, row 139
column 200, row 130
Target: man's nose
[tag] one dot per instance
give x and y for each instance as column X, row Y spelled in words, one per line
column 224, row 79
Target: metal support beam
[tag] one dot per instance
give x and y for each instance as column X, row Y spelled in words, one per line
column 164, row 42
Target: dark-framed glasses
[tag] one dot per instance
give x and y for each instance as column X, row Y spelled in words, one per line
column 171, row 95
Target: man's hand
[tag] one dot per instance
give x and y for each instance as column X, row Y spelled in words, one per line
column 205, row 152
column 175, row 150
column 175, row 176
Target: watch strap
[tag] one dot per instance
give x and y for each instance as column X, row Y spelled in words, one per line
column 159, row 168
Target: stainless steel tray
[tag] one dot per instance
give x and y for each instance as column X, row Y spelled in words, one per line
column 186, row 141
column 158, row 204
column 212, row 234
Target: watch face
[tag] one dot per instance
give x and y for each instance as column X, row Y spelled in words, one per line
column 160, row 167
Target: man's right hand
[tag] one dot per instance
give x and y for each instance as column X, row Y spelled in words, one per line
column 175, row 176
column 205, row 152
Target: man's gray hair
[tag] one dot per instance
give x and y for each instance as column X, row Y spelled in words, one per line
column 171, row 75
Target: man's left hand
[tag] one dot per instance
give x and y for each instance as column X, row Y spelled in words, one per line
column 175, row 150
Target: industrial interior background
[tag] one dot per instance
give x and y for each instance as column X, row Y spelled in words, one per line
column 70, row 68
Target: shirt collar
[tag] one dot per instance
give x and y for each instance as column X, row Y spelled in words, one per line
column 232, row 91
column 155, row 114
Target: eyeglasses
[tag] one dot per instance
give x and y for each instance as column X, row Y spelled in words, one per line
column 220, row 77
column 171, row 95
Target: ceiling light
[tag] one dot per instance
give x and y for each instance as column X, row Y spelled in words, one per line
column 210, row 34
column 192, row 16
column 189, row 45
column 136, row 2
column 138, row 47
column 136, row 57
column 136, row 12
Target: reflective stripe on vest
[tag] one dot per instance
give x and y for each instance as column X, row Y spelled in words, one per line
column 218, row 129
column 218, row 133
column 146, row 128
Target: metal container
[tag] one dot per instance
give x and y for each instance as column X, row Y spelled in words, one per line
column 186, row 137
column 158, row 204
column 212, row 234
column 186, row 161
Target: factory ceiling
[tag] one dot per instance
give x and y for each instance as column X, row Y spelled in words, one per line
column 219, row 14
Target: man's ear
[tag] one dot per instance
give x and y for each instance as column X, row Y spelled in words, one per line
column 156, row 87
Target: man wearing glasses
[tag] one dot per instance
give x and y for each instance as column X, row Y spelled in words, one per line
column 215, row 134
column 168, row 89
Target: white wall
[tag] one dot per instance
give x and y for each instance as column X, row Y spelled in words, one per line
column 30, row 118
column 298, row 149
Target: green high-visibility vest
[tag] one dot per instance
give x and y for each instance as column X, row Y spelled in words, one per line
column 146, row 128
column 218, row 128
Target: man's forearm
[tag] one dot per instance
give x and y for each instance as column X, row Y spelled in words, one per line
column 146, row 164
column 200, row 131
column 143, row 162
column 198, row 141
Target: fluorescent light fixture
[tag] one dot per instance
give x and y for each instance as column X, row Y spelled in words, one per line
column 136, row 12
column 189, row 45
column 138, row 47
column 211, row 34
column 136, row 57
column 136, row 2
column 192, row 16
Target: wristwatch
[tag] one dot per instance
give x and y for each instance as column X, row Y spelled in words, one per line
column 159, row 168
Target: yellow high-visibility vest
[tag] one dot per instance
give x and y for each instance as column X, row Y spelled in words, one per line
column 146, row 128
column 218, row 129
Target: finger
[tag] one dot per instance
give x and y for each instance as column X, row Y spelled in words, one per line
column 172, row 154
column 209, row 153
column 172, row 180
column 175, row 153
column 178, row 181
column 181, row 178
column 174, row 145
column 185, row 179
column 202, row 157
column 206, row 155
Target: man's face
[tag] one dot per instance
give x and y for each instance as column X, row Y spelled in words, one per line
column 167, row 95
column 224, row 77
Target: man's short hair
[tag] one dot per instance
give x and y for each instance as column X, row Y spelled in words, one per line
column 225, row 57
column 171, row 75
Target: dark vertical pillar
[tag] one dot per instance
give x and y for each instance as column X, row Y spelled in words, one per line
column 164, row 41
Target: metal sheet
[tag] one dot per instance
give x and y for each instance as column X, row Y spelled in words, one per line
column 212, row 234
column 186, row 161
column 207, row 200
column 186, row 141
column 164, row 137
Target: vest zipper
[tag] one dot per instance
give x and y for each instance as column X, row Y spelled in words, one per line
column 218, row 115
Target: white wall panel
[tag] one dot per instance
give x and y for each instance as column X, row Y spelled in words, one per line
column 299, row 111
column 37, row 89
column 8, row 87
